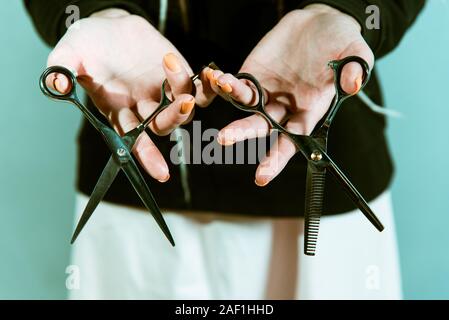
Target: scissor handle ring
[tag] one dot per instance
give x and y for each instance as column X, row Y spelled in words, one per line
column 338, row 65
column 260, row 105
column 71, row 94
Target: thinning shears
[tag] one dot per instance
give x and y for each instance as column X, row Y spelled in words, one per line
column 314, row 149
column 121, row 148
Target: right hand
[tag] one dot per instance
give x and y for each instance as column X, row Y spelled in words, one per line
column 117, row 58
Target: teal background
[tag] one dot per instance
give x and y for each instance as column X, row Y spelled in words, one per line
column 38, row 160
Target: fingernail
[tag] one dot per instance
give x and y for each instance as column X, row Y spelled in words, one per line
column 358, row 84
column 165, row 179
column 210, row 74
column 187, row 106
column 226, row 87
column 259, row 184
column 172, row 63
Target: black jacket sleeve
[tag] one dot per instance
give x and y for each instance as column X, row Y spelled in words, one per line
column 49, row 16
column 396, row 16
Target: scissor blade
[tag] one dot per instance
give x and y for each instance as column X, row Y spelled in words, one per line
column 314, row 205
column 354, row 194
column 136, row 179
column 104, row 182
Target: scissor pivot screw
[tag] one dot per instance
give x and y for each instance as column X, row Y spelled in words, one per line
column 316, row 156
column 121, row 152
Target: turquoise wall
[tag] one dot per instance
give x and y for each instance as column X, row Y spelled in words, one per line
column 38, row 161
column 37, row 167
column 415, row 78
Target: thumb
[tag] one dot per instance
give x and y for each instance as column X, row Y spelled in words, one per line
column 63, row 55
column 352, row 73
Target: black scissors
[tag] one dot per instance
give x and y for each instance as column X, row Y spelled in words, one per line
column 121, row 148
column 314, row 149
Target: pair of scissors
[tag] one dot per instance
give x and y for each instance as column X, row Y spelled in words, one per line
column 120, row 147
column 314, row 149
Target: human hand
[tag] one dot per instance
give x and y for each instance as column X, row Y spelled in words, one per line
column 117, row 58
column 291, row 63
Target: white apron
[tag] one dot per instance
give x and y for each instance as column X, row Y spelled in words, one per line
column 122, row 254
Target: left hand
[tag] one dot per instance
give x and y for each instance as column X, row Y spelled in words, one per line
column 291, row 63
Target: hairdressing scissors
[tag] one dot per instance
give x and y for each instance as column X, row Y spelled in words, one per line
column 314, row 149
column 121, row 148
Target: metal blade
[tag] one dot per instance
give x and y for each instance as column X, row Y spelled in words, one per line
column 314, row 204
column 354, row 194
column 136, row 179
column 104, row 182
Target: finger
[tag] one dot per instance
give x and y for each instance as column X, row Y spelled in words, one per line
column 284, row 149
column 177, row 75
column 240, row 90
column 58, row 82
column 212, row 76
column 251, row 127
column 145, row 150
column 352, row 73
column 204, row 92
column 62, row 55
column 351, row 78
column 276, row 160
column 173, row 116
column 190, row 118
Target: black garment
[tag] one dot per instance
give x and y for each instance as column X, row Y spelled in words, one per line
column 357, row 142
